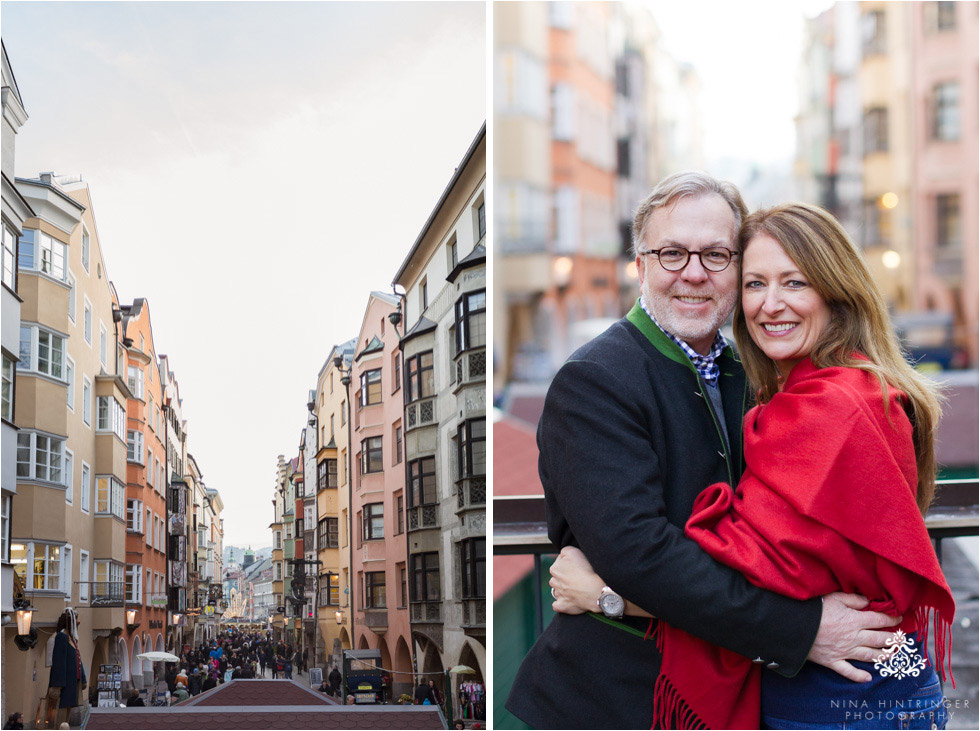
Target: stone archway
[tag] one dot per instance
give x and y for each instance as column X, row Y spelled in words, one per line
column 136, row 663
column 431, row 666
column 469, row 657
column 344, row 639
column 402, row 679
column 122, row 657
column 362, row 644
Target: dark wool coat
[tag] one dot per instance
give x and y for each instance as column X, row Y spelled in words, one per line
column 628, row 438
column 66, row 672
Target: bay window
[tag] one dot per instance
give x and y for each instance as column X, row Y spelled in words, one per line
column 42, row 351
column 9, row 258
column 38, row 252
column 472, row 446
column 374, row 524
column 40, row 457
column 422, row 482
column 111, row 416
column 109, row 496
column 38, row 565
column 134, row 379
column 134, row 446
column 374, row 590
column 425, row 577
column 8, row 389
column 371, row 456
column 471, row 321
column 419, row 378
column 473, row 567
column 371, row 387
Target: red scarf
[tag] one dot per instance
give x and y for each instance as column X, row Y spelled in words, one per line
column 827, row 503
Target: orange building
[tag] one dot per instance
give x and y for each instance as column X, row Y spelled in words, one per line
column 146, row 509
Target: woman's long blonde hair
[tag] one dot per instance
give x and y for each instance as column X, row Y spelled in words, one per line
column 859, row 322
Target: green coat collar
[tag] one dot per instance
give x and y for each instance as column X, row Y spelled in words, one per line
column 662, row 342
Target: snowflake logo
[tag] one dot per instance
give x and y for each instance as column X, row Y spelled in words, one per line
column 900, row 658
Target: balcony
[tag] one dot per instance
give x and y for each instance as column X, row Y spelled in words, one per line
column 471, row 492
column 376, row 620
column 422, row 517
column 426, row 611
column 106, row 593
column 420, row 413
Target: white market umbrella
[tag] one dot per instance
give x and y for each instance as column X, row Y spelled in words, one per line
column 159, row 657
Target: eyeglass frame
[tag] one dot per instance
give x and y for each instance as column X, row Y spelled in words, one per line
column 698, row 253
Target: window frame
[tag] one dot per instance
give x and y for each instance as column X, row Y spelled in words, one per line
column 420, row 380
column 422, row 576
column 33, row 450
column 416, row 487
column 372, row 526
column 463, row 318
column 372, row 453
column 469, row 562
column 370, row 386
column 373, row 598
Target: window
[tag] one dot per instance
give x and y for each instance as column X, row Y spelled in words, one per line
column 473, row 567
column 134, row 517
column 403, row 595
column 873, row 33
column 400, row 509
column 471, row 321
column 134, row 380
column 40, row 457
column 9, row 258
column 38, row 252
column 42, row 351
column 109, row 496
column 424, row 295
column 326, row 474
column 398, row 444
column 86, row 248
column 420, row 379
column 134, row 446
column 86, row 401
column 946, row 111
column 38, row 564
column 481, row 221
column 71, row 296
column 8, row 388
column 333, row 590
column 278, row 574
column 111, row 417
column 374, row 590
column 396, row 369
column 88, row 322
column 333, row 532
column 939, row 16
column 472, row 443
column 371, row 387
column 86, row 495
column 103, row 344
column 83, row 575
column 949, row 229
column 422, row 482
column 425, row 576
column 289, row 531
column 277, row 544
column 374, row 524
column 876, row 130
column 371, row 456
column 343, row 413
column 453, row 249
column 108, row 576
column 5, row 528
column 69, row 477
column 134, row 584
column 70, row 377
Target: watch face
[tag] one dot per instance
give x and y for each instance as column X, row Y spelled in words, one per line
column 612, row 605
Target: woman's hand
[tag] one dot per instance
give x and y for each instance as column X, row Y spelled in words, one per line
column 574, row 585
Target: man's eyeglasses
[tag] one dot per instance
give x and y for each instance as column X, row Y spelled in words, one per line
column 675, row 258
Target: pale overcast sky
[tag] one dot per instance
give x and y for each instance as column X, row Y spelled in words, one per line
column 747, row 55
column 256, row 169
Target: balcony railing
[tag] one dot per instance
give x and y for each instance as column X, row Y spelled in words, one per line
column 105, row 593
column 474, row 612
column 426, row 611
column 471, row 492
column 421, row 413
column 471, row 366
column 519, row 528
column 423, row 516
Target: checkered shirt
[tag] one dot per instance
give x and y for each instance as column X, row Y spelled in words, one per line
column 704, row 364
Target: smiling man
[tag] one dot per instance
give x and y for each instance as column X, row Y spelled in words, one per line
column 636, row 423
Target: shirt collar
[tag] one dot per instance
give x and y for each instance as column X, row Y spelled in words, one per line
column 704, row 364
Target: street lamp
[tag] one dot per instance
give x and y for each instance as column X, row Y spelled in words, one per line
column 131, row 619
column 26, row 636
column 340, row 616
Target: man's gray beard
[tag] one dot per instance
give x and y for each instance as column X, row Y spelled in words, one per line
column 687, row 329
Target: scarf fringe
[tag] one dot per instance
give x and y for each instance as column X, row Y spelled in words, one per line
column 942, row 635
column 670, row 711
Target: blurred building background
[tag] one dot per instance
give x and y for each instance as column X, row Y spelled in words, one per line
column 591, row 110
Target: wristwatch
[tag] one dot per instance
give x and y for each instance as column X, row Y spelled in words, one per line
column 610, row 603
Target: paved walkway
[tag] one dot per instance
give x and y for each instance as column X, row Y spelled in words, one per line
column 961, row 574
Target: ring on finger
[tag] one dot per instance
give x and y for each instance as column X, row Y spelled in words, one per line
column 553, row 595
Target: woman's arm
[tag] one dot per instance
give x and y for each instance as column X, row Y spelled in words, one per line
column 576, row 586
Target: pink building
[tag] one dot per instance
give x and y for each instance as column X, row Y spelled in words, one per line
column 945, row 154
column 380, row 601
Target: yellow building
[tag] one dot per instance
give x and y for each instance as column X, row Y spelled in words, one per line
column 68, row 527
column 329, row 409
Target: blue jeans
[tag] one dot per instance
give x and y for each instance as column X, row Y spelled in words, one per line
column 923, row 709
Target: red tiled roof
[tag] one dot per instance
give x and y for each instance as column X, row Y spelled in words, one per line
column 289, row 717
column 515, row 459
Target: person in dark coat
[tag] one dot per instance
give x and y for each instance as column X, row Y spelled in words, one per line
column 211, row 682
column 657, row 400
column 194, row 682
column 423, row 692
column 67, row 677
column 335, row 678
column 170, row 676
column 135, row 699
column 15, row 720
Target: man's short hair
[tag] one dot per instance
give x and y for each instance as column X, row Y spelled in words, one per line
column 680, row 185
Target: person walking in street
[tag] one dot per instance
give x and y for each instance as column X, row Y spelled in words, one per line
column 335, row 680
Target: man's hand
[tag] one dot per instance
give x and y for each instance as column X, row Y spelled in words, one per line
column 575, row 587
column 846, row 633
